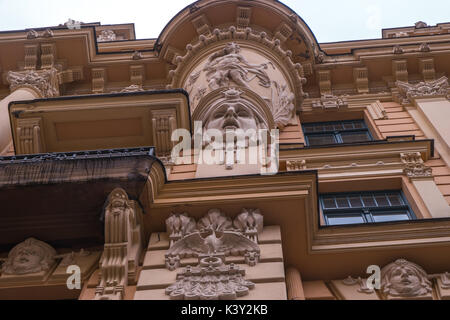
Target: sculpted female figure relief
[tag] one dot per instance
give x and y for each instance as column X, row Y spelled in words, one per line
column 228, row 64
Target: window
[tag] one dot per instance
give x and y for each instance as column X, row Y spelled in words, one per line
column 365, row 207
column 324, row 133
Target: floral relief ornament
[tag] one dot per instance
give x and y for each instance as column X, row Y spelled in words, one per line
column 424, row 89
column 44, row 81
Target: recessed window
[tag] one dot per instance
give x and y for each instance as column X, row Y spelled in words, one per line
column 365, row 207
column 325, row 133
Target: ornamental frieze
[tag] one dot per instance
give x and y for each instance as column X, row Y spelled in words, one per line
column 408, row 92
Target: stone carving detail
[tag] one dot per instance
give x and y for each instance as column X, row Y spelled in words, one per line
column 423, row 89
column 425, row 47
column 329, row 102
column 414, row 166
column 30, row 256
column 421, row 25
column 445, row 279
column 132, row 88
column 137, row 55
column 229, row 65
column 233, row 112
column 211, row 280
column 282, row 105
column 178, row 226
column 214, row 235
column 71, row 258
column 404, row 279
column 296, row 165
column 398, row 50
column 106, row 35
column 363, row 288
column 32, row 34
column 44, row 81
column 250, row 222
column 48, row 33
column 123, row 245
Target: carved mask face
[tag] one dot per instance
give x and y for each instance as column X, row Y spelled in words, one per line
column 405, row 280
column 232, row 116
column 27, row 258
column 118, row 203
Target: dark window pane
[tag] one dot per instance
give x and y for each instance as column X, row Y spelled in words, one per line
column 395, row 200
column 343, row 220
column 369, row 201
column 350, row 137
column 308, row 129
column 355, row 202
column 321, row 139
column 338, row 126
column 329, row 127
column 382, row 201
column 359, row 125
column 329, row 203
column 318, row 128
column 390, row 217
column 342, row 202
column 348, row 126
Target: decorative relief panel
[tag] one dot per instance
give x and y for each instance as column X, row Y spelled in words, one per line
column 400, row 280
column 230, row 67
column 330, row 102
column 33, row 261
column 414, row 166
column 106, row 36
column 409, row 92
column 164, row 122
column 264, row 68
column 213, row 238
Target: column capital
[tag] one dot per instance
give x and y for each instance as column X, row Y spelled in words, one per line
column 45, row 82
column 430, row 89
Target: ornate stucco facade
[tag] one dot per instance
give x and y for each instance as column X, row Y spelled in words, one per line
column 90, row 182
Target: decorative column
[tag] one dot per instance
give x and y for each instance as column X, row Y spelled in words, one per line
column 294, row 284
column 25, row 85
column 422, row 179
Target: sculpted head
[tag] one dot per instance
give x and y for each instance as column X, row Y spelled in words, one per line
column 118, row 201
column 405, row 279
column 232, row 113
column 30, row 256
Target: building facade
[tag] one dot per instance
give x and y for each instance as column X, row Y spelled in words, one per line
column 125, row 175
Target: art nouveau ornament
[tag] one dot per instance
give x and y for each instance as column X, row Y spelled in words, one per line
column 236, row 68
column 230, row 65
column 30, row 256
column 210, row 280
column 404, row 279
column 233, row 112
column 438, row 87
column 214, row 235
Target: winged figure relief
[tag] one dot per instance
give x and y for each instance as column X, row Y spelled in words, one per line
column 212, row 242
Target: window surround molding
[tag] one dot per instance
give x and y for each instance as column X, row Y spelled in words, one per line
column 359, row 165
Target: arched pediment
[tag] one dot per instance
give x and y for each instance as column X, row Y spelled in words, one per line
column 272, row 17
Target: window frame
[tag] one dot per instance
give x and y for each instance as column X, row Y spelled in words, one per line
column 367, row 213
column 337, row 134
